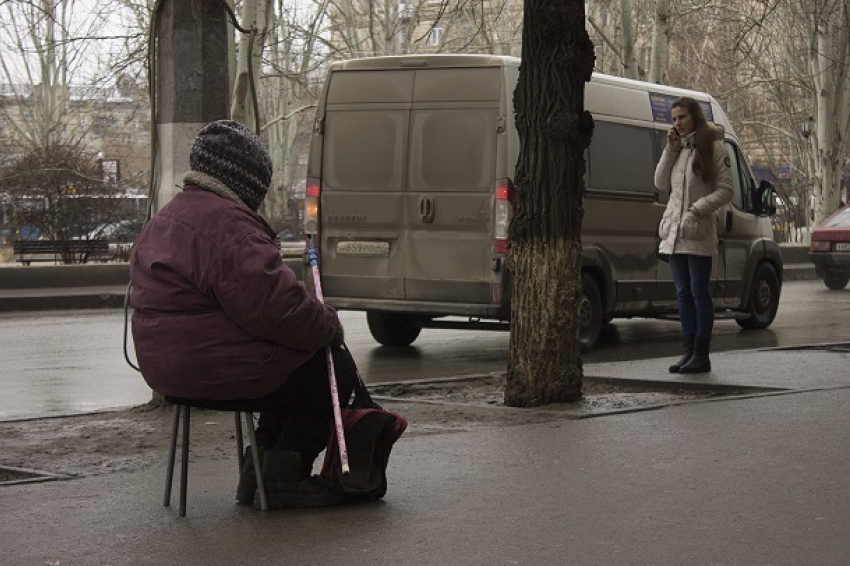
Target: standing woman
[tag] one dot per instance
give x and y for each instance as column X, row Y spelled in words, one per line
column 695, row 169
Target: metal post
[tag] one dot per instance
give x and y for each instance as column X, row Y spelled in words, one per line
column 806, row 129
column 169, row 478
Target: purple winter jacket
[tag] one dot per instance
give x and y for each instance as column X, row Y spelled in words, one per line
column 217, row 314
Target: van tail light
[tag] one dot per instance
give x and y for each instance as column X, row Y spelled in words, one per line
column 311, row 206
column 504, row 193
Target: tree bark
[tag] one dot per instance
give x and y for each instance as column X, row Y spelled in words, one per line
column 544, row 363
column 630, row 63
column 255, row 15
column 830, row 71
column 660, row 43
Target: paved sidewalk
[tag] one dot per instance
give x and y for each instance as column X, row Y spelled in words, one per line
column 807, row 367
column 756, row 480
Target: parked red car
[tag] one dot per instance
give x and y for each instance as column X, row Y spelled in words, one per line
column 830, row 249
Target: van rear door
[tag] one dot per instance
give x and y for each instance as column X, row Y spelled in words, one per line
column 364, row 183
column 408, row 183
column 451, row 183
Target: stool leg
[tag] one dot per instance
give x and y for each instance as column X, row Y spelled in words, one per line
column 184, row 464
column 240, row 446
column 258, row 466
column 169, row 478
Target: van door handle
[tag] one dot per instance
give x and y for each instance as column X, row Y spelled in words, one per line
column 426, row 209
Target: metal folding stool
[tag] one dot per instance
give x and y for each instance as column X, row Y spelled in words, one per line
column 183, row 406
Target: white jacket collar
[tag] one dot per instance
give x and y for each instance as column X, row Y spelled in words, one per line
column 690, row 139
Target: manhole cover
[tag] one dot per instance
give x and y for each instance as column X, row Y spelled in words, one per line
column 14, row 476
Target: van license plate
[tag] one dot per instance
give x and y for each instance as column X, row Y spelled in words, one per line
column 842, row 246
column 363, row 249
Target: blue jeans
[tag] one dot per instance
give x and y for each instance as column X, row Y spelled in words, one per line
column 692, row 277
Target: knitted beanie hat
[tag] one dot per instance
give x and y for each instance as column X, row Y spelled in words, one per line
column 233, row 154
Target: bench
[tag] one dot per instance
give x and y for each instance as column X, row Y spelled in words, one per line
column 74, row 251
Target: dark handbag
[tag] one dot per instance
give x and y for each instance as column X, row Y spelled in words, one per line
column 370, row 432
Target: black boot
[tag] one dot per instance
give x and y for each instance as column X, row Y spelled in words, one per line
column 688, row 343
column 247, row 477
column 699, row 362
column 290, row 486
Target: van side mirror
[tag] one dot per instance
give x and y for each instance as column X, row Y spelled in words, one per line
column 764, row 199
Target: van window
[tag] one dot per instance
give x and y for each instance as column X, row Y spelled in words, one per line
column 660, row 144
column 622, row 158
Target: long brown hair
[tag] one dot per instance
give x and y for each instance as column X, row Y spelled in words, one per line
column 703, row 164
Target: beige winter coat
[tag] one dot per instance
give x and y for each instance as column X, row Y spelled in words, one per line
column 688, row 225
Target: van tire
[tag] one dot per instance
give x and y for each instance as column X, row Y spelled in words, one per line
column 835, row 281
column 395, row 330
column 764, row 299
column 589, row 313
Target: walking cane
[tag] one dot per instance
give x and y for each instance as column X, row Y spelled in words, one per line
column 313, row 253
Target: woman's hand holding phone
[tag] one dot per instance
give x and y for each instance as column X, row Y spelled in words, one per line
column 673, row 138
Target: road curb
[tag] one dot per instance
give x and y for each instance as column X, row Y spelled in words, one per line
column 62, row 302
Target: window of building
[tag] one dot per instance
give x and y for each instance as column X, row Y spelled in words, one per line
column 435, row 36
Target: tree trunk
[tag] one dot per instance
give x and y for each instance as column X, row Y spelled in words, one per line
column 256, row 16
column 544, row 363
column 630, row 63
column 660, row 43
column 830, row 68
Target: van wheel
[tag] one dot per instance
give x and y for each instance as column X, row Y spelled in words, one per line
column 392, row 329
column 589, row 313
column 835, row 281
column 764, row 298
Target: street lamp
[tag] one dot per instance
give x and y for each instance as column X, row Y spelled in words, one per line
column 806, row 129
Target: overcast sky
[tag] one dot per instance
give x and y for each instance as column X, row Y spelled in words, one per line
column 95, row 30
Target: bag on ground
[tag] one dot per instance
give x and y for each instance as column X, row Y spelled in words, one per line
column 370, row 433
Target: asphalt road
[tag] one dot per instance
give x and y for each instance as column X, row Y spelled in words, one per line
column 808, row 314
column 72, row 361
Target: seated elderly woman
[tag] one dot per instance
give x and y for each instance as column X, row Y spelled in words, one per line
column 218, row 316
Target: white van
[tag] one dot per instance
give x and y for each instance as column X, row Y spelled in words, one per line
column 410, row 170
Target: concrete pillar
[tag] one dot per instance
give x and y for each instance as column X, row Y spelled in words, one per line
column 192, row 83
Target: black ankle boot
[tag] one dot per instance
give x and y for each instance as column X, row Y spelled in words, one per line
column 688, row 343
column 699, row 362
column 289, row 485
column 247, row 487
